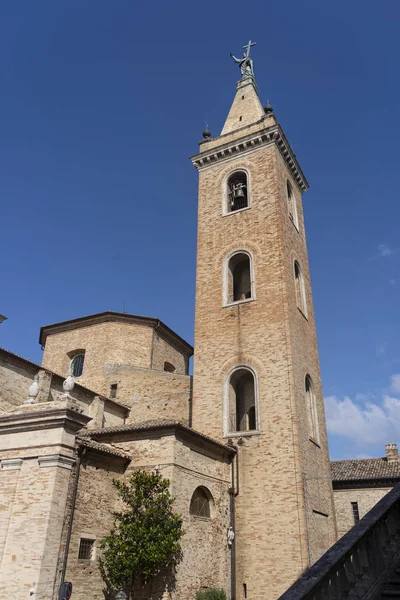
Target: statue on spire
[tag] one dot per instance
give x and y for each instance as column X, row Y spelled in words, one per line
column 245, row 63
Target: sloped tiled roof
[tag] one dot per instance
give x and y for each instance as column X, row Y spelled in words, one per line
column 366, row 469
column 105, row 448
column 153, row 424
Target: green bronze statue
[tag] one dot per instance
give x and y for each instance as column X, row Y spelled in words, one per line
column 245, row 63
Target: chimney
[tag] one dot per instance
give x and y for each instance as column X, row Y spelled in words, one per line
column 392, row 453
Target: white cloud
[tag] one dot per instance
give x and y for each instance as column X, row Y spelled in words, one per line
column 395, row 384
column 384, row 250
column 364, row 422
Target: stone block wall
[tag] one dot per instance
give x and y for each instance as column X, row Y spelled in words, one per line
column 285, row 499
column 366, row 498
column 151, row 394
column 187, row 465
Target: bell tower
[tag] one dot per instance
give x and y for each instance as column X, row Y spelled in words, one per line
column 256, row 369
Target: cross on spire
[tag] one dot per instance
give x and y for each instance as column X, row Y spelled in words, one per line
column 247, row 48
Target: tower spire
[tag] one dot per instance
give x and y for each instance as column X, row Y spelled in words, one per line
column 246, row 107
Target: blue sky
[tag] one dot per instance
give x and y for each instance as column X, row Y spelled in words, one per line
column 101, row 105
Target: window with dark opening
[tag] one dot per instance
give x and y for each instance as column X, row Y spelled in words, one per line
column 85, row 549
column 169, row 367
column 311, row 407
column 242, row 401
column 292, row 204
column 245, row 590
column 239, row 278
column 356, row 514
column 113, row 390
column 77, row 364
column 299, row 288
column 237, row 191
column 200, row 503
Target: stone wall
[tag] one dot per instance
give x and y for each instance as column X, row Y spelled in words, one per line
column 285, row 501
column 366, row 498
column 151, row 394
column 36, row 454
column 17, row 374
column 187, row 465
column 103, row 343
column 108, row 344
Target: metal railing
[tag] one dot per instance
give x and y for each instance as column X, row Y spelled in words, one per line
column 358, row 565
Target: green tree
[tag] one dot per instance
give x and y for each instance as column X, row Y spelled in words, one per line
column 211, row 594
column 145, row 537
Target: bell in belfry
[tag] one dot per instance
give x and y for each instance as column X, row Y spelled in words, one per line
column 239, row 191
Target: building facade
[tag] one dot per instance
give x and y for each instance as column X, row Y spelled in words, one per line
column 248, row 446
column 256, row 369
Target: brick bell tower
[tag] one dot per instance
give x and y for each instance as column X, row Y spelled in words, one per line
column 256, row 370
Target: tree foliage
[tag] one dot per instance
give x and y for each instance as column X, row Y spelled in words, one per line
column 211, row 594
column 145, row 537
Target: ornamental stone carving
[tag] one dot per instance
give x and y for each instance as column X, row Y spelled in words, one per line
column 68, row 385
column 33, row 391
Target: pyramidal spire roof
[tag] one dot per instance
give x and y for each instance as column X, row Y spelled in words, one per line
column 246, row 107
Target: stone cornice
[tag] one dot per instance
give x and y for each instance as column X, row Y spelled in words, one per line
column 43, row 417
column 244, row 145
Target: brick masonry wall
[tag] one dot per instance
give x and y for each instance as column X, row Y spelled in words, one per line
column 104, row 343
column 204, row 543
column 313, row 454
column 123, row 354
column 36, row 463
column 163, row 351
column 366, row 498
column 151, row 394
column 285, row 488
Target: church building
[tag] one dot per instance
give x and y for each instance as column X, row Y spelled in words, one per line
column 243, row 442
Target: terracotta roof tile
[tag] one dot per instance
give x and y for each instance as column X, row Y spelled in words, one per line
column 364, row 469
column 106, row 448
column 152, row 424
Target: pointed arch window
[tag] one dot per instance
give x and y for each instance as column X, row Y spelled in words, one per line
column 300, row 289
column 241, row 402
column 292, row 206
column 238, row 278
column 237, row 192
column 311, row 407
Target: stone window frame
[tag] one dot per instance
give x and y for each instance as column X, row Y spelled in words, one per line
column 92, row 538
column 300, row 289
column 73, row 355
column 225, row 278
column 226, row 429
column 312, row 410
column 225, row 211
column 211, row 504
column 292, row 204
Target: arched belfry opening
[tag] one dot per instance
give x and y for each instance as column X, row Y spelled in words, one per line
column 237, row 191
column 242, row 401
column 239, row 277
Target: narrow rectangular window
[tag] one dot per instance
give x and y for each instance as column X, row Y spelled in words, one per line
column 356, row 514
column 244, row 590
column 113, row 390
column 85, row 549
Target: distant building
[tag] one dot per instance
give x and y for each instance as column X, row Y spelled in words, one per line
column 359, row 484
